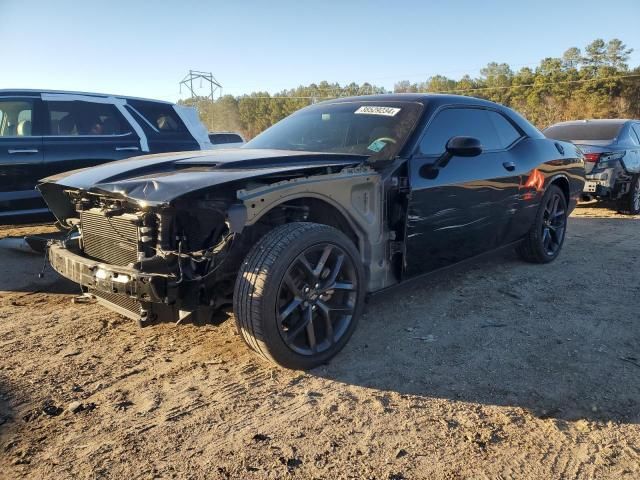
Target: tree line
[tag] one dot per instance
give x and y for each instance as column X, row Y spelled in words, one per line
column 592, row 83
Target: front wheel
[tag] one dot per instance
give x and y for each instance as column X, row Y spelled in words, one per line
column 545, row 238
column 630, row 202
column 298, row 294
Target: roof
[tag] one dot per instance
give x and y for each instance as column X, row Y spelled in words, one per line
column 27, row 91
column 423, row 98
column 433, row 101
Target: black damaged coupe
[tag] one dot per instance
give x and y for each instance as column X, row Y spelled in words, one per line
column 339, row 200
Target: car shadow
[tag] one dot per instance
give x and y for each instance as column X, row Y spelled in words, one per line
column 560, row 340
column 6, row 413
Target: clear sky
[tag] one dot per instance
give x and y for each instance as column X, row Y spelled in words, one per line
column 144, row 48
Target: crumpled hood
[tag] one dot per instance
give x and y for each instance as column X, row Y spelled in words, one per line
column 161, row 178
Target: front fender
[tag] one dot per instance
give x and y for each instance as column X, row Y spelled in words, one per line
column 356, row 193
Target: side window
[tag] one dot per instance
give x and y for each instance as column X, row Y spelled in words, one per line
column 15, row 118
column 85, row 118
column 492, row 129
column 507, row 133
column 161, row 117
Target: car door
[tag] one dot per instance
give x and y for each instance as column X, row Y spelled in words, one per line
column 465, row 207
column 20, row 155
column 82, row 134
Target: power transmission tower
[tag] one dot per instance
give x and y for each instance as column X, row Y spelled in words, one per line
column 214, row 85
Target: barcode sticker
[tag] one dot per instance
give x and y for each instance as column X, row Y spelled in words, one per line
column 372, row 110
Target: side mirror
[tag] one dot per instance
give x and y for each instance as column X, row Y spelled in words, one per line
column 464, row 147
column 456, row 147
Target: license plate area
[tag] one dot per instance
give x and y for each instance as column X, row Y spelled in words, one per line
column 590, row 187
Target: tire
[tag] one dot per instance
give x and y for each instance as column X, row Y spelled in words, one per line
column 630, row 202
column 284, row 308
column 543, row 242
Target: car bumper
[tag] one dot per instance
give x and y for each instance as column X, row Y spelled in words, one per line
column 600, row 184
column 123, row 289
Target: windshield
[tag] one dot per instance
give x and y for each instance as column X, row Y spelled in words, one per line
column 375, row 129
column 584, row 131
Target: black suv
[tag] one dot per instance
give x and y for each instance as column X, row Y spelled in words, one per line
column 612, row 158
column 47, row 132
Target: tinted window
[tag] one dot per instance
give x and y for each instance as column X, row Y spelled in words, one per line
column 584, row 131
column 507, row 133
column 85, row 118
column 492, row 129
column 161, row 117
column 376, row 129
column 221, row 138
column 15, row 118
column 636, row 130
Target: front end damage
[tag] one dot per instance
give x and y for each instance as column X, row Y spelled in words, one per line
column 153, row 264
column 178, row 260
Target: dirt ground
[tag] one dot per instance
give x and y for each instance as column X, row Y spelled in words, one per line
column 494, row 369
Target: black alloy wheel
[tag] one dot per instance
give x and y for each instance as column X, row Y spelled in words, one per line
column 299, row 294
column 554, row 223
column 317, row 299
column 543, row 242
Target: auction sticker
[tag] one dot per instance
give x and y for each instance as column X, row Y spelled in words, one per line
column 373, row 110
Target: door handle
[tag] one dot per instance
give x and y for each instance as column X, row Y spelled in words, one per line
column 26, row 150
column 510, row 166
column 127, row 149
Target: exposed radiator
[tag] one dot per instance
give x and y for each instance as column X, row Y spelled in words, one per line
column 112, row 240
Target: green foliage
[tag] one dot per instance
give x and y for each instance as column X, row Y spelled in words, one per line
column 597, row 84
column 577, row 85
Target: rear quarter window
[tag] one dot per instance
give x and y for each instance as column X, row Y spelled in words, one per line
column 162, row 118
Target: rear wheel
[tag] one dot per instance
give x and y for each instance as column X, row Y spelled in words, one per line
column 630, row 203
column 298, row 294
column 545, row 239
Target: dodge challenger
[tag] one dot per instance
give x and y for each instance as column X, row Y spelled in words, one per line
column 335, row 202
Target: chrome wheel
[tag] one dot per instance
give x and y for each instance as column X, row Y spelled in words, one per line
column 554, row 223
column 317, row 299
column 636, row 196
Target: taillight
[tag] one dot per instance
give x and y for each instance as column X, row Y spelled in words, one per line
column 592, row 157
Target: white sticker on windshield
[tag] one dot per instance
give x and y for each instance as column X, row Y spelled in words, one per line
column 372, row 110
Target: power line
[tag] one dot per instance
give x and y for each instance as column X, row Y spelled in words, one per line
column 505, row 87
column 583, row 80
